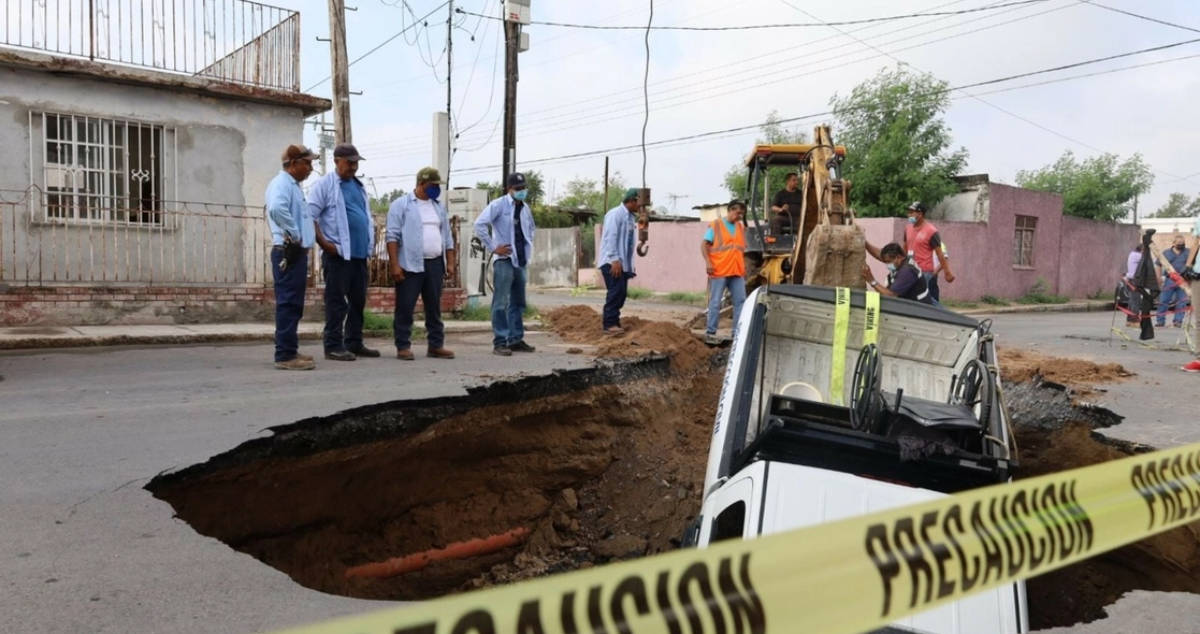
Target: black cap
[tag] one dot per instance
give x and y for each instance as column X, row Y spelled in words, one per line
column 918, row 206
column 346, row 151
column 516, row 179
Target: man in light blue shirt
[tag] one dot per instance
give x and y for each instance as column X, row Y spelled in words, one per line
column 506, row 228
column 421, row 252
column 292, row 235
column 346, row 234
column 614, row 258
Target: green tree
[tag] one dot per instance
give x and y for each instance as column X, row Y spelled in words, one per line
column 897, row 142
column 380, row 205
column 1178, row 206
column 1101, row 187
column 588, row 194
column 770, row 132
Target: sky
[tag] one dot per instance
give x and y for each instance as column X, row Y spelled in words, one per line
column 580, row 91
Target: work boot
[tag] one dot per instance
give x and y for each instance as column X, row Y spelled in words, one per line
column 296, row 363
column 340, row 355
column 405, row 354
column 711, row 339
column 502, row 351
column 614, row 330
column 363, row 351
column 306, row 357
column 439, row 353
column 521, row 346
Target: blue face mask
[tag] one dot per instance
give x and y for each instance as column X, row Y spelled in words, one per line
column 891, row 267
column 912, row 220
column 520, row 194
column 433, row 191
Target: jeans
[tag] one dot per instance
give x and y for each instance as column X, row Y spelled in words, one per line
column 427, row 286
column 289, row 303
column 1171, row 293
column 618, row 289
column 931, row 280
column 716, row 291
column 345, row 299
column 508, row 303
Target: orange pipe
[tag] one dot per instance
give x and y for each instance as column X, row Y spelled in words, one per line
column 458, row 550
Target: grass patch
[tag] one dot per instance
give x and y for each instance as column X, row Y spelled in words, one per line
column 1039, row 294
column 483, row 312
column 686, row 298
column 992, row 300
column 375, row 321
column 1101, row 294
column 580, row 290
column 958, row 303
column 638, row 293
column 531, row 312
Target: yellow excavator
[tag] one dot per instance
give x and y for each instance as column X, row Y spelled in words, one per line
column 823, row 247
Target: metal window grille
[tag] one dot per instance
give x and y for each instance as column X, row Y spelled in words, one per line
column 1023, row 241
column 101, row 170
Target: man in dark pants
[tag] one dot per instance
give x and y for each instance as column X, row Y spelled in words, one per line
column 506, row 228
column 346, row 234
column 291, row 238
column 421, row 252
column 614, row 258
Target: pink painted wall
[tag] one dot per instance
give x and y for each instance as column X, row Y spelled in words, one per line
column 1093, row 255
column 674, row 262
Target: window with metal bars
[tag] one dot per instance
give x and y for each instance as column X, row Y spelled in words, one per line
column 1023, row 241
column 101, row 170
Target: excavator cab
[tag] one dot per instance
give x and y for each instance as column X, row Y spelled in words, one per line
column 775, row 246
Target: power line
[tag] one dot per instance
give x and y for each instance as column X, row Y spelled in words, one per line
column 383, row 43
column 927, row 95
column 780, row 25
column 587, row 116
column 1140, row 16
column 646, row 93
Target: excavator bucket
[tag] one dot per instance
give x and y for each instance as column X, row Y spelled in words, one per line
column 832, row 252
column 835, row 256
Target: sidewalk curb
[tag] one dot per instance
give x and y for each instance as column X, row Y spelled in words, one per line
column 1088, row 306
column 35, row 342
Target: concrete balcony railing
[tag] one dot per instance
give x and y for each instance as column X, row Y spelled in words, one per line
column 227, row 40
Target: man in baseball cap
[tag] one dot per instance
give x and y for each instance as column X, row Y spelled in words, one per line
column 506, row 227
column 291, row 238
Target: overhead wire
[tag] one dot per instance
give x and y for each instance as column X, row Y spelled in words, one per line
column 588, row 116
column 1140, row 16
column 927, row 95
column 381, row 44
column 776, row 25
column 646, row 93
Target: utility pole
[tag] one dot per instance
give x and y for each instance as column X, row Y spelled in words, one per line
column 340, row 70
column 604, row 201
column 512, row 32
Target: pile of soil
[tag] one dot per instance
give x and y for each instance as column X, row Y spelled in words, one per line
column 1018, row 366
column 606, row 472
column 581, row 324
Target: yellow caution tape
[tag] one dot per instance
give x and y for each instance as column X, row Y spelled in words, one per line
column 837, row 365
column 871, row 319
column 849, row 576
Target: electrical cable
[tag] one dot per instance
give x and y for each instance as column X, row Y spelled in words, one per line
column 646, row 93
column 915, row 98
column 380, row 45
column 753, row 27
column 1140, row 16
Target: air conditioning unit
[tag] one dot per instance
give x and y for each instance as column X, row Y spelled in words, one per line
column 517, row 11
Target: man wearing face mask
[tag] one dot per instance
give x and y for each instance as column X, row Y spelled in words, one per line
column 346, row 234
column 506, row 228
column 615, row 258
column 904, row 278
column 1177, row 256
column 421, row 251
column 921, row 240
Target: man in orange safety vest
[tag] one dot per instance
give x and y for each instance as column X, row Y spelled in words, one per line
column 724, row 249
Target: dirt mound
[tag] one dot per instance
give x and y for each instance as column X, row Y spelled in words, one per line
column 597, row 471
column 1082, row 376
column 581, row 324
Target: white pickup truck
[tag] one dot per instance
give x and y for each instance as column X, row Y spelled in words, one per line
column 920, row 416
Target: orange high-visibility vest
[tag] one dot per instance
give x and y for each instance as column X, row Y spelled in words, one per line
column 728, row 252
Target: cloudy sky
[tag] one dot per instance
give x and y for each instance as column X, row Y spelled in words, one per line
column 581, row 90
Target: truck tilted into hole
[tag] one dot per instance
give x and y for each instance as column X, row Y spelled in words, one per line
column 838, row 403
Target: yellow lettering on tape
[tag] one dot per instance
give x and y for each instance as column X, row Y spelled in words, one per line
column 837, row 365
column 871, row 319
column 852, row 575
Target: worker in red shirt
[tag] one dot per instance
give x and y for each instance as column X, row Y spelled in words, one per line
column 921, row 240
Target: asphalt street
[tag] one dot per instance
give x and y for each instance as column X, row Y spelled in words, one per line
column 85, row 548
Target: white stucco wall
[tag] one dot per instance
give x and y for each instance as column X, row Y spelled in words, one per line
column 225, row 151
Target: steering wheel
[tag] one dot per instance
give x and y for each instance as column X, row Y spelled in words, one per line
column 865, row 400
column 976, row 389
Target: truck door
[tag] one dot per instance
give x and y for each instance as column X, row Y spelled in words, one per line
column 731, row 512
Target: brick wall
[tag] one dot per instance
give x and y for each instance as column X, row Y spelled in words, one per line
column 96, row 305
